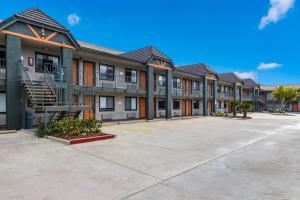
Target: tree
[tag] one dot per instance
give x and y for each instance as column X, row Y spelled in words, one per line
column 234, row 104
column 246, row 107
column 291, row 94
column 284, row 95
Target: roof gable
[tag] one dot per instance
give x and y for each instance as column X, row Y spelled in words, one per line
column 38, row 16
column 249, row 83
column 197, row 69
column 230, row 77
column 41, row 25
column 149, row 55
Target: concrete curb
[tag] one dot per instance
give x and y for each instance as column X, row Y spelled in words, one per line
column 81, row 140
column 7, row 132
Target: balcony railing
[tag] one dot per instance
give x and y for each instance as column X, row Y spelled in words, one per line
column 248, row 97
column 225, row 95
column 2, row 69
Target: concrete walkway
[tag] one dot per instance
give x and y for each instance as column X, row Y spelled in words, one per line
column 203, row 158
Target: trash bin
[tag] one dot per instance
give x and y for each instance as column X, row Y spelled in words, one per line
column 29, row 115
column 58, row 74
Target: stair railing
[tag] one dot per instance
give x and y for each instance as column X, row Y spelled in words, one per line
column 25, row 78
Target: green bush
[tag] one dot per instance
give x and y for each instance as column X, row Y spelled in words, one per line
column 70, row 127
column 222, row 114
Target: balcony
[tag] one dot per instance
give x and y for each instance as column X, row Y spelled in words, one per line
column 118, row 84
column 2, row 69
column 177, row 92
column 248, row 97
column 225, row 95
column 196, row 93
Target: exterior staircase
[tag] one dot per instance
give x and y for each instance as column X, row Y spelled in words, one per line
column 40, row 94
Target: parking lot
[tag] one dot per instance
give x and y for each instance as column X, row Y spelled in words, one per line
column 201, row 158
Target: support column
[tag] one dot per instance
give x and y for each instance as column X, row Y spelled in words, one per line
column 66, row 61
column 150, row 82
column 241, row 97
column 14, row 108
column 234, row 92
column 215, row 87
column 254, row 99
column 205, row 97
column 169, row 86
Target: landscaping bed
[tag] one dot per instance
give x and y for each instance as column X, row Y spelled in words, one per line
column 74, row 131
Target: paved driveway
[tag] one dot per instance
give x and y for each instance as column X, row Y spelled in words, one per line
column 203, row 158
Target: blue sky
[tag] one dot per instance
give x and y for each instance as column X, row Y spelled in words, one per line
column 228, row 35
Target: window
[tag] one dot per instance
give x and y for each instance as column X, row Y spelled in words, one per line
column 44, row 61
column 130, row 76
column 161, row 104
column 106, row 72
column 219, row 105
column 196, row 85
column 2, row 102
column 130, row 103
column 107, row 103
column 196, row 105
column 161, row 80
column 176, row 83
column 219, row 89
column 225, row 105
column 176, row 104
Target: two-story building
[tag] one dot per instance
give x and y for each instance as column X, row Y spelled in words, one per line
column 47, row 74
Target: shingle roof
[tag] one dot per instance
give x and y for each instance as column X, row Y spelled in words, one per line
column 144, row 54
column 196, row 69
column 273, row 87
column 36, row 15
column 249, row 83
column 229, row 77
column 99, row 48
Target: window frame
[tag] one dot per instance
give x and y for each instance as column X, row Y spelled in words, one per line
column 196, row 102
column 178, row 84
column 158, row 107
column 44, row 54
column 197, row 84
column 136, row 75
column 5, row 98
column 107, row 79
column 136, row 106
column 164, row 80
column 106, row 109
column 177, row 100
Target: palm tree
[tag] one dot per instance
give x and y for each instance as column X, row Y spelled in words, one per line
column 246, row 107
column 234, row 104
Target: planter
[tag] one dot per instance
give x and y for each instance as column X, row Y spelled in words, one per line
column 82, row 140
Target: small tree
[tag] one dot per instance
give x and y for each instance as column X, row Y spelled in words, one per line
column 284, row 95
column 291, row 94
column 234, row 104
column 279, row 95
column 246, row 107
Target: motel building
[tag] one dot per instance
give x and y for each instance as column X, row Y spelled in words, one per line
column 46, row 75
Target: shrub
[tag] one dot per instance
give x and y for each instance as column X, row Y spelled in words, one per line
column 68, row 128
column 222, row 114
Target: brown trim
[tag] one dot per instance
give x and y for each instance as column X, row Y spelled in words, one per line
column 33, row 31
column 36, row 39
column 51, row 36
column 160, row 66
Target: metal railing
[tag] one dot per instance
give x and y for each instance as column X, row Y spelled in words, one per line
column 24, row 76
column 225, row 95
column 248, row 97
column 2, row 68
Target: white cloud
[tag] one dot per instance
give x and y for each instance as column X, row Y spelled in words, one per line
column 73, row 19
column 266, row 66
column 277, row 10
column 245, row 75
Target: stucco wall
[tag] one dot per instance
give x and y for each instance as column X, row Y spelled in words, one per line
column 27, row 52
column 119, row 112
